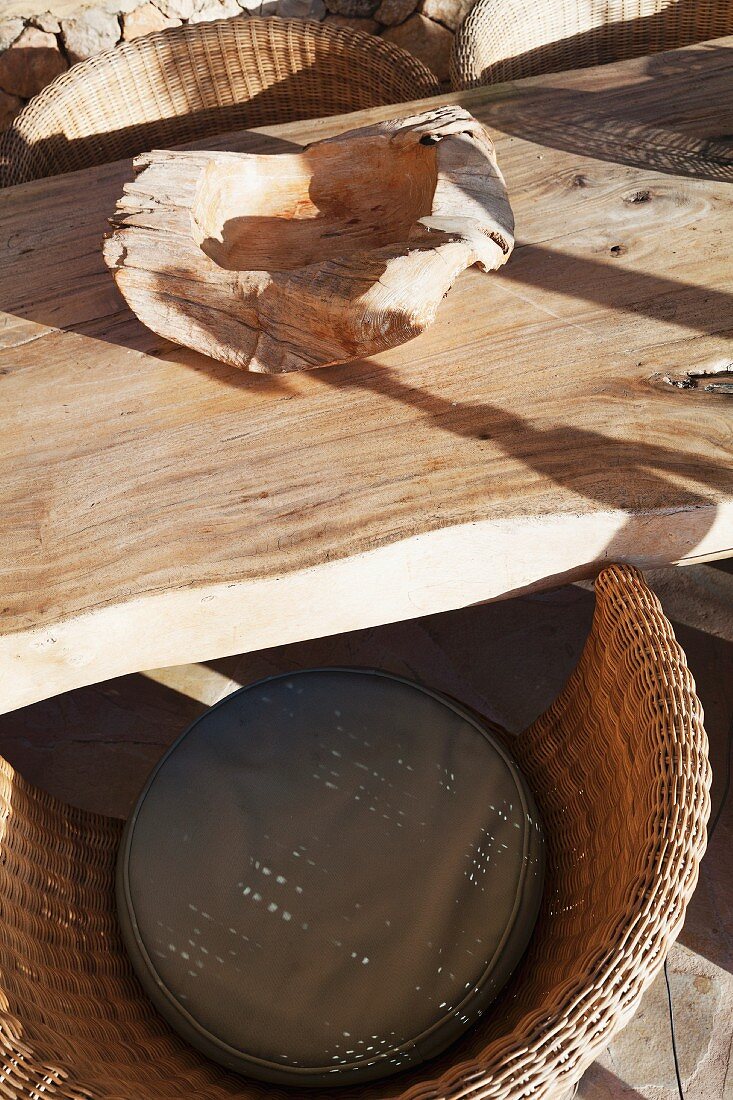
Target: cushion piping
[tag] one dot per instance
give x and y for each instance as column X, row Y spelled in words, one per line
column 284, row 1072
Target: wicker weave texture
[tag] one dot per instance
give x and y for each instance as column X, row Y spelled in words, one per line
column 509, row 39
column 191, row 82
column 620, row 769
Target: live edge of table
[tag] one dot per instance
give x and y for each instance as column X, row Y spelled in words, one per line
column 157, row 507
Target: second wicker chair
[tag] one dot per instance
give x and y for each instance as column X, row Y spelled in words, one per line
column 195, row 81
column 510, row 39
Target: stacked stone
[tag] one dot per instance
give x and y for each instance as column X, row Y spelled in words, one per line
column 36, row 48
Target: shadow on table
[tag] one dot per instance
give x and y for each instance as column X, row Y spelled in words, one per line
column 616, row 474
column 637, row 476
column 587, row 133
column 606, row 282
column 610, row 124
column 696, row 309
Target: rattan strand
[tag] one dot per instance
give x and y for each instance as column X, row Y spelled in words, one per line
column 191, row 82
column 620, row 769
column 510, row 39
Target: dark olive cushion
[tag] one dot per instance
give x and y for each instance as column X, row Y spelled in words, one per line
column 329, row 877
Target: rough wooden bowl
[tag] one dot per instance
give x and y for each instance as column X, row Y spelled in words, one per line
column 297, row 260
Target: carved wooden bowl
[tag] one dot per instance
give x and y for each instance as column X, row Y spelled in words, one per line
column 297, row 260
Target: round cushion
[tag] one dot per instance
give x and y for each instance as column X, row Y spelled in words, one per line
column 329, row 877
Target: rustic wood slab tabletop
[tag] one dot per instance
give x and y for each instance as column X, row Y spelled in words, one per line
column 157, row 507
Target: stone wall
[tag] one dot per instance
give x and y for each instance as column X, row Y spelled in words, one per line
column 37, row 45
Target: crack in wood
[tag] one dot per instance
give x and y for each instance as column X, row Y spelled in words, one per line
column 717, row 379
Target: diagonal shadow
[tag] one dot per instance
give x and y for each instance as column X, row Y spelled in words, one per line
column 607, row 283
column 614, row 473
column 619, row 124
column 586, row 131
column 699, row 309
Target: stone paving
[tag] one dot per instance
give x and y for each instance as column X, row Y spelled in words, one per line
column 95, row 747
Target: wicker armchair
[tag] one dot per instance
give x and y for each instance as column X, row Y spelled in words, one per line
column 508, row 39
column 619, row 766
column 190, row 82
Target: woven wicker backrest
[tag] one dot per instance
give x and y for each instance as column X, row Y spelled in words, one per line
column 509, row 39
column 620, row 771
column 194, row 81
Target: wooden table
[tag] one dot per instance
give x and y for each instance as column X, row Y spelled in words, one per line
column 157, row 507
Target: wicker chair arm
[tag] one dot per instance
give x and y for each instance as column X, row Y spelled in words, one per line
column 620, row 769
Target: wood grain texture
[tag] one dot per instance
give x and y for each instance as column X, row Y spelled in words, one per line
column 158, row 507
column 298, row 260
